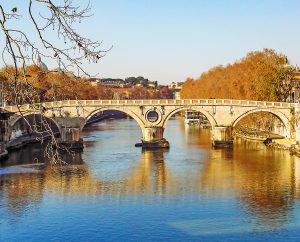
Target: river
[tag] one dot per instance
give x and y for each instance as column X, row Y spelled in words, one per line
column 115, row 191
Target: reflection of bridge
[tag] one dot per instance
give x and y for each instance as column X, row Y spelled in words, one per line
column 152, row 115
column 151, row 175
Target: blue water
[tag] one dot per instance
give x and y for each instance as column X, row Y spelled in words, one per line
column 115, row 192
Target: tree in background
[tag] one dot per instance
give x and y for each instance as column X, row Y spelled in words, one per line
column 22, row 49
column 46, row 86
column 261, row 75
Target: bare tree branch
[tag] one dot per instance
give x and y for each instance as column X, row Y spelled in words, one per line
column 69, row 54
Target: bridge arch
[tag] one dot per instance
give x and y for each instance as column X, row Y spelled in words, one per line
column 281, row 116
column 14, row 121
column 128, row 112
column 210, row 118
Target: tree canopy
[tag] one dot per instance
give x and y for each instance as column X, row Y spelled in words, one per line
column 41, row 85
column 261, row 75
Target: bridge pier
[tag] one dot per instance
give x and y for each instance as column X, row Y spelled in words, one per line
column 70, row 128
column 71, row 138
column 222, row 136
column 153, row 137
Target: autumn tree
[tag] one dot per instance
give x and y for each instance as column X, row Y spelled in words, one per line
column 261, row 75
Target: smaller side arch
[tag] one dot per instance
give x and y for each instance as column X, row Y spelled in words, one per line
column 16, row 119
column 281, row 116
column 210, row 118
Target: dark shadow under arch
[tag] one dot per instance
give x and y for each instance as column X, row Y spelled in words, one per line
column 30, row 123
column 129, row 113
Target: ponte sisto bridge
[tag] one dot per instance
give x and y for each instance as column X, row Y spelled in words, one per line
column 152, row 116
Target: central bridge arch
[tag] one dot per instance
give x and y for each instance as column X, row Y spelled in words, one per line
column 128, row 112
column 210, row 118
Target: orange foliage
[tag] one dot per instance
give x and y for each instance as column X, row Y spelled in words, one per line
column 258, row 76
column 41, row 86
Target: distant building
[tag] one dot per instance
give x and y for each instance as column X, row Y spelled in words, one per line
column 295, row 93
column 127, row 83
column 177, row 95
column 108, row 82
column 176, row 87
column 95, row 82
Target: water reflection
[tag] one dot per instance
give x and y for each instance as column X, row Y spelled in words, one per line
column 262, row 179
column 263, row 182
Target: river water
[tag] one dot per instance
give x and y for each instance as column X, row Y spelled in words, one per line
column 114, row 191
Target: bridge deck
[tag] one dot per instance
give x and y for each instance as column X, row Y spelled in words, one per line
column 181, row 102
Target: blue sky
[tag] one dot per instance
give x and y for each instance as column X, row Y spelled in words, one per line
column 170, row 40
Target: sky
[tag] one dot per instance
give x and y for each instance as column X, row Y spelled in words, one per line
column 170, row 40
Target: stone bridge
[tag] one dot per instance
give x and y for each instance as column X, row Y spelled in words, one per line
column 152, row 116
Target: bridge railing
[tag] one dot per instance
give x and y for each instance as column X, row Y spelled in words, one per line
column 171, row 102
column 217, row 102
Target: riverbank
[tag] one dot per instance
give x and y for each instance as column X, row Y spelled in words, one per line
column 273, row 141
column 285, row 144
column 270, row 140
column 27, row 139
column 19, row 143
column 256, row 135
